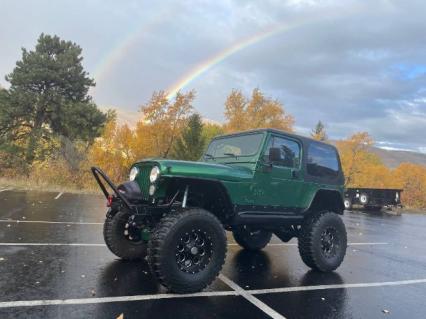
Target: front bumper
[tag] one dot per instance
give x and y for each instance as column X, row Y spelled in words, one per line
column 136, row 204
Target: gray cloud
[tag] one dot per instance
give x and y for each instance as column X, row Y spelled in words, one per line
column 355, row 65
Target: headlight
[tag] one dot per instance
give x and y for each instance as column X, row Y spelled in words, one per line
column 155, row 173
column 133, row 173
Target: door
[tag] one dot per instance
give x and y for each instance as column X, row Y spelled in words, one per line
column 279, row 180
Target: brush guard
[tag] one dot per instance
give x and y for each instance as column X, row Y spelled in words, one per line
column 143, row 209
column 102, row 178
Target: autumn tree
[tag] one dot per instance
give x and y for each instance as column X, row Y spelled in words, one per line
column 256, row 112
column 113, row 151
column 162, row 122
column 356, row 158
column 190, row 145
column 48, row 98
column 318, row 133
column 412, row 179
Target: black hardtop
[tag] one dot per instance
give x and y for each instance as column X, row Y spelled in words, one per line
column 304, row 139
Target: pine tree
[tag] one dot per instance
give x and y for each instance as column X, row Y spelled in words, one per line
column 190, row 145
column 319, row 132
column 48, row 100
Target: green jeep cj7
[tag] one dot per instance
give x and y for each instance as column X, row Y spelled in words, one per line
column 255, row 184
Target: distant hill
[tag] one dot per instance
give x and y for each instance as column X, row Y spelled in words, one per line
column 393, row 158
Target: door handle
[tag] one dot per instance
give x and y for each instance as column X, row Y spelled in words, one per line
column 294, row 173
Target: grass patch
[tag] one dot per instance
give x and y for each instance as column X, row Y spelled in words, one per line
column 21, row 183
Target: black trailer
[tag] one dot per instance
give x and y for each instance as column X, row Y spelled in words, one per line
column 372, row 198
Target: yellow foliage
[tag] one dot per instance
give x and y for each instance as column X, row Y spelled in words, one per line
column 411, row 178
column 258, row 112
column 356, row 159
column 365, row 169
column 162, row 123
column 154, row 135
column 113, row 151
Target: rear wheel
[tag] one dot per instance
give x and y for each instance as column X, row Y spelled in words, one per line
column 322, row 241
column 187, row 250
column 124, row 239
column 251, row 239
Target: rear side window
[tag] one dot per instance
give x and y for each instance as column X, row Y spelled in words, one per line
column 322, row 161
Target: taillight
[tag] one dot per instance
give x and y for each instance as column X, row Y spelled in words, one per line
column 109, row 201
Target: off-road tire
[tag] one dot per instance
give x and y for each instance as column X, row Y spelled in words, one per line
column 117, row 243
column 163, row 249
column 310, row 241
column 251, row 239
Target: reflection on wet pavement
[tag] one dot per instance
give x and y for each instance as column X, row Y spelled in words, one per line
column 64, row 272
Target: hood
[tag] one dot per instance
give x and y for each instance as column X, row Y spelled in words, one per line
column 205, row 170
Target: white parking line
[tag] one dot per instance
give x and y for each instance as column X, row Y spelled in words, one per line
column 294, row 244
column 101, row 245
column 53, row 244
column 249, row 297
column 83, row 301
column 337, row 286
column 29, row 303
column 59, row 195
column 46, row 222
column 366, row 244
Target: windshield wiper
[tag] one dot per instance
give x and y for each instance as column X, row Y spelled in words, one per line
column 230, row 154
column 209, row 155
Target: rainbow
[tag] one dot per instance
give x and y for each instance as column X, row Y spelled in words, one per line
column 119, row 50
column 215, row 59
column 122, row 47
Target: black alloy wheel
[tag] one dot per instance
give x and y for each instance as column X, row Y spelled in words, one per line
column 187, row 250
column 194, row 251
column 329, row 242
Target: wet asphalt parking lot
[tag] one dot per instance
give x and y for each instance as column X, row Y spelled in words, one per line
column 54, row 264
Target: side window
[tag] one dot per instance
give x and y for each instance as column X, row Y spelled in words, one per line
column 289, row 152
column 322, row 161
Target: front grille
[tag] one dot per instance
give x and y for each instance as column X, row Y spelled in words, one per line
column 143, row 179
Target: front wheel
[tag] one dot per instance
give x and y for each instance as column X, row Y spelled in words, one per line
column 251, row 239
column 323, row 241
column 187, row 250
column 124, row 239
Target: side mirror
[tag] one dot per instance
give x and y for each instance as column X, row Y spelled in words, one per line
column 274, row 154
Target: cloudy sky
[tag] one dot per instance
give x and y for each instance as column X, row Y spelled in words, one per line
column 355, row 65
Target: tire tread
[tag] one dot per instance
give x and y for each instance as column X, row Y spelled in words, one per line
column 306, row 243
column 155, row 252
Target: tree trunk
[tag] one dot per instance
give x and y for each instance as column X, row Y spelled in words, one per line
column 35, row 137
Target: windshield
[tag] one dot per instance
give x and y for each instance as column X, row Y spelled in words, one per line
column 234, row 146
